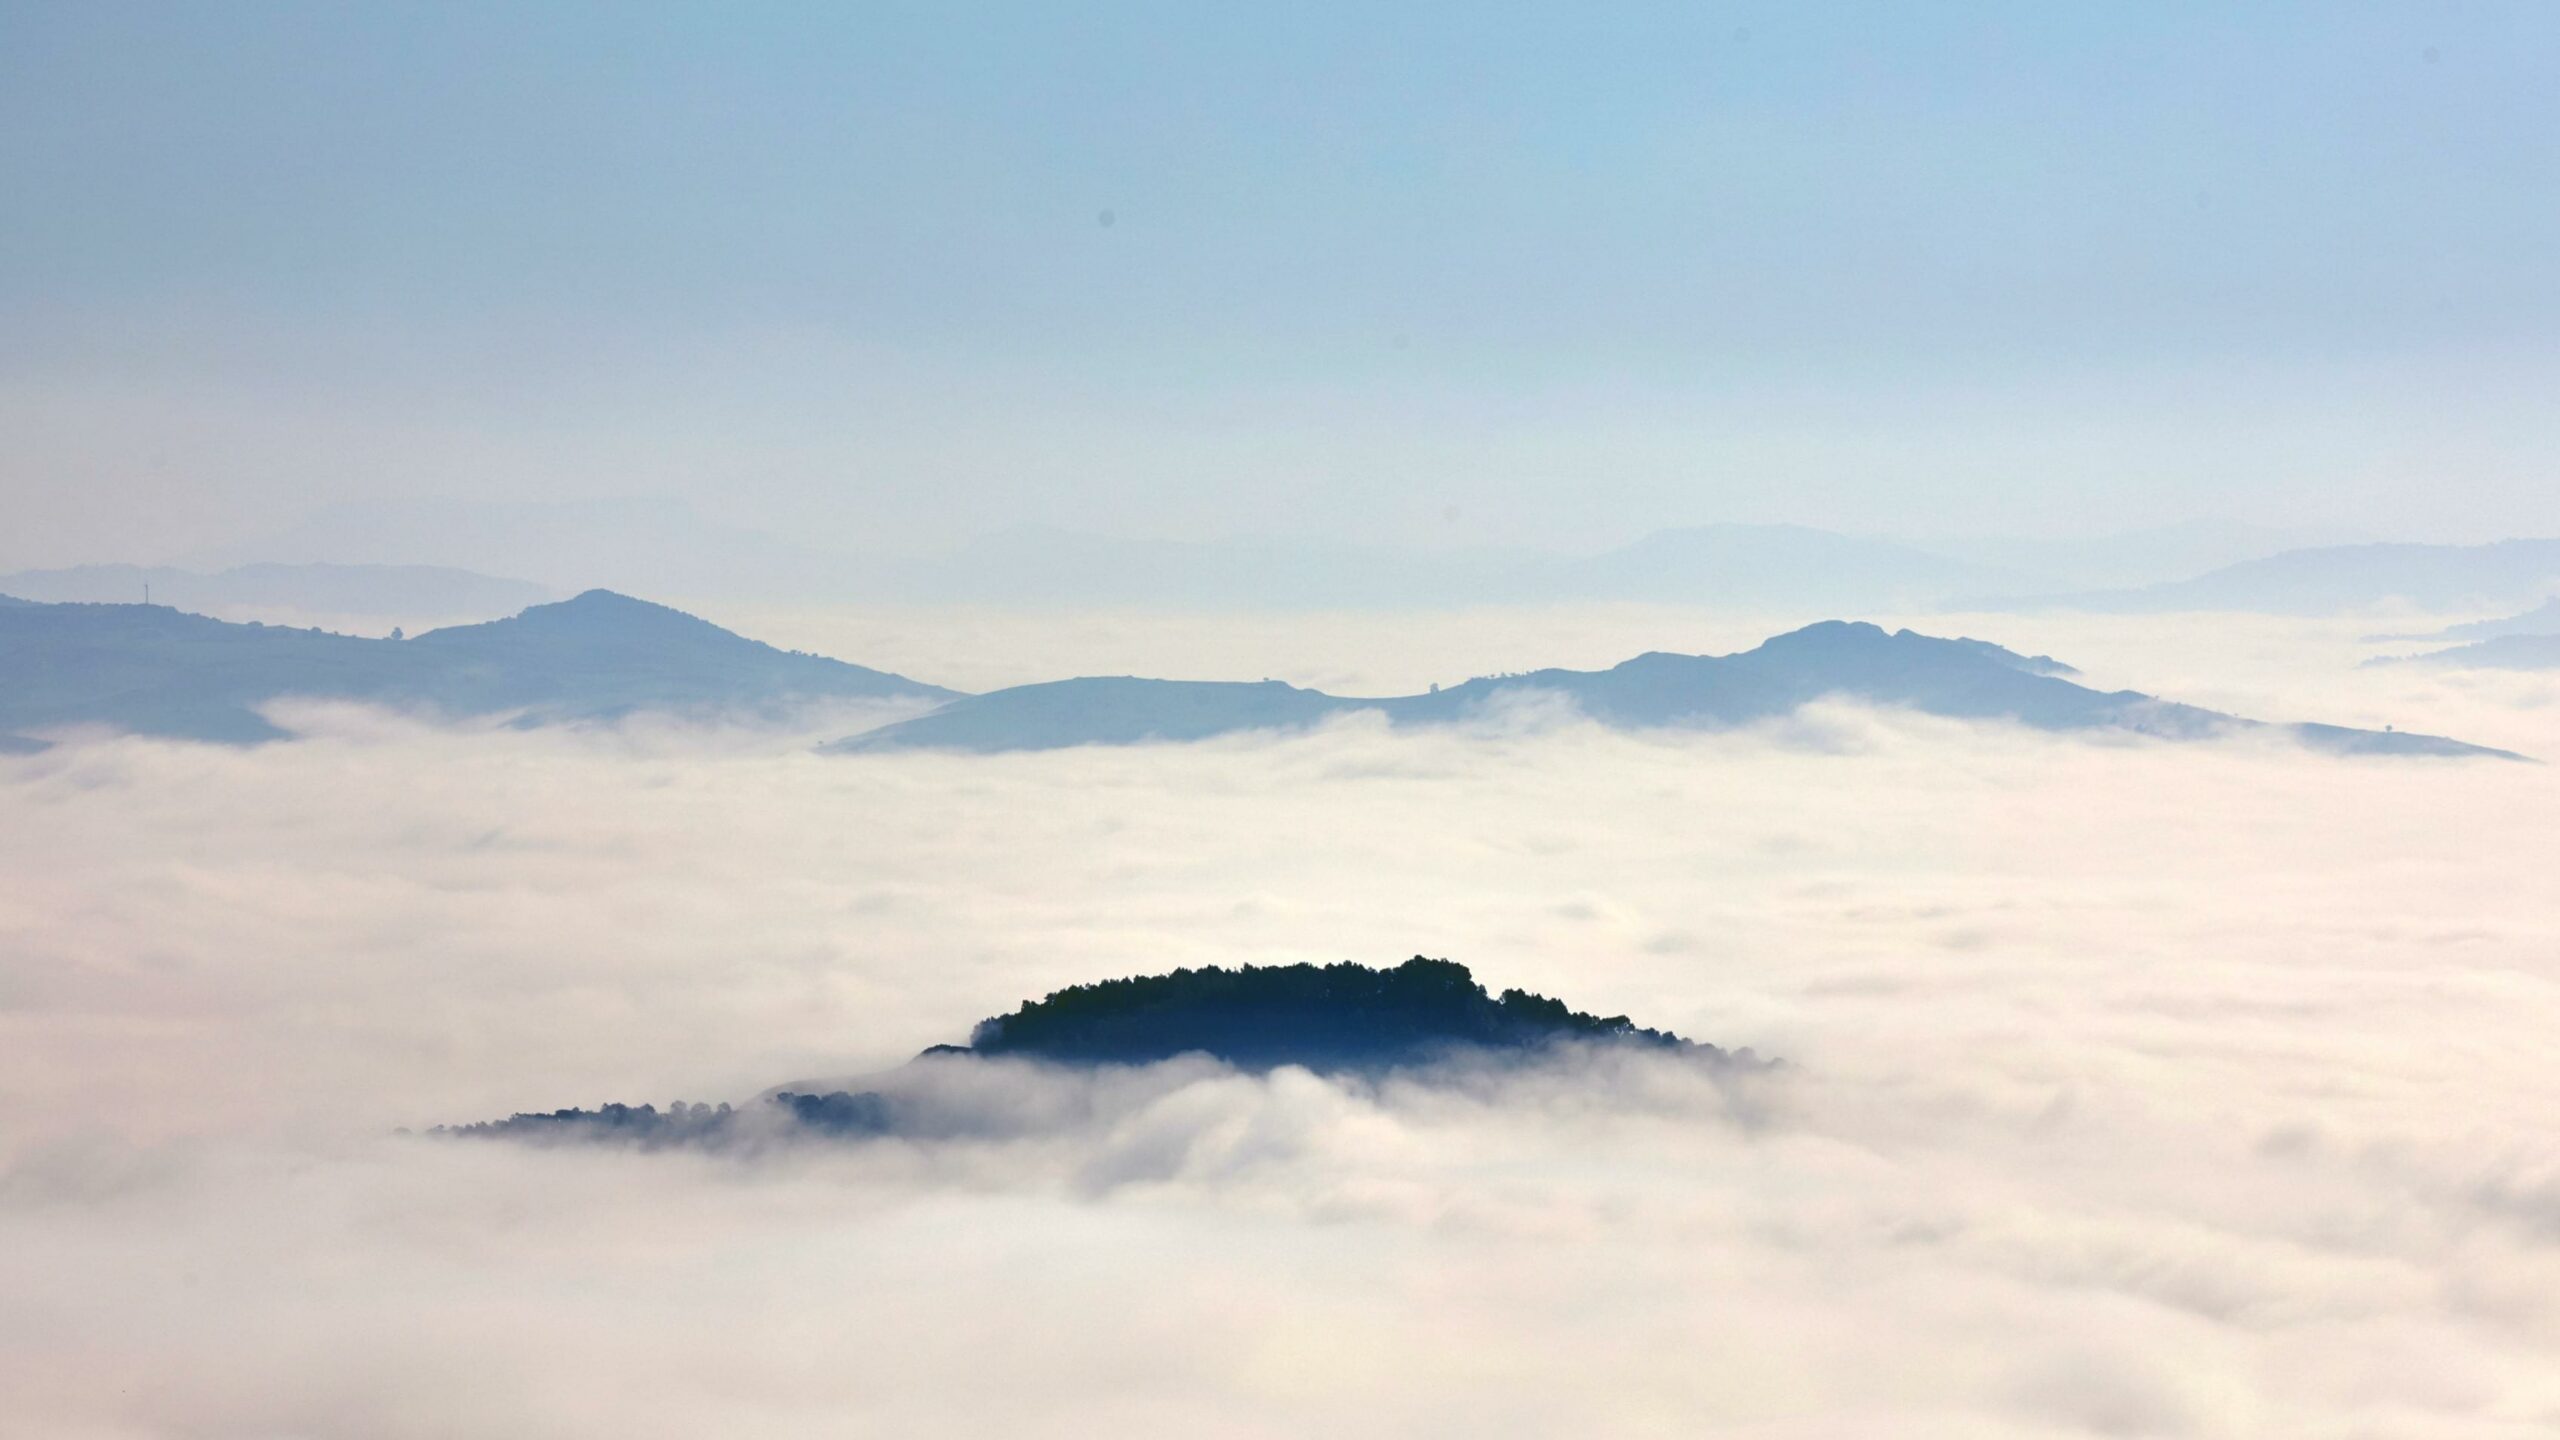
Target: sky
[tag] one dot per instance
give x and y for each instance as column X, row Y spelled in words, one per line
column 891, row 276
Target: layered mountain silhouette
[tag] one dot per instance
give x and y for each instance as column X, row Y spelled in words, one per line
column 1332, row 1019
column 1781, row 567
column 2330, row 579
column 665, row 547
column 390, row 591
column 2530, row 641
column 2503, row 652
column 153, row 670
column 1959, row 678
column 2543, row 619
column 1785, row 567
column 2129, row 558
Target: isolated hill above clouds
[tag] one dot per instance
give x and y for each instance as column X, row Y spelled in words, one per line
column 154, row 670
column 1959, row 678
column 1339, row 1019
column 1335, row 1017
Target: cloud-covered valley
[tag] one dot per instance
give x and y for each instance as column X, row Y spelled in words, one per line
column 2131, row 1089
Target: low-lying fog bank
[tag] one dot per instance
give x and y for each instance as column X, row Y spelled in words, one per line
column 2131, row 1089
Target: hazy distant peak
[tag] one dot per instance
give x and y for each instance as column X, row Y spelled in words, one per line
column 1829, row 634
column 605, row 616
column 610, row 607
column 1855, row 636
column 600, row 601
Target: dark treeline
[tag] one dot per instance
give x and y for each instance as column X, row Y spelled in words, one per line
column 1326, row 1017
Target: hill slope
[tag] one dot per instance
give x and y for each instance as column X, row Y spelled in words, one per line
column 153, row 670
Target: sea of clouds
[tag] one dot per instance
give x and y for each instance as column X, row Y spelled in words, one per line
column 2131, row 1088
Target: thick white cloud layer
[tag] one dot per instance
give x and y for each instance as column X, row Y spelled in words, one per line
column 2133, row 1089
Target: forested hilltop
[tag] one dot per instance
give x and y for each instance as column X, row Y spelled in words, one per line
column 1340, row 1016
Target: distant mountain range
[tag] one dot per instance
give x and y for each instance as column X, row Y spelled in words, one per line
column 1332, row 1019
column 396, row 592
column 652, row 546
column 2336, row 579
column 2543, row 619
column 154, row 670
column 1962, row 678
column 2530, row 641
column 2503, row 652
column 2133, row 557
column 1783, row 567
column 663, row 547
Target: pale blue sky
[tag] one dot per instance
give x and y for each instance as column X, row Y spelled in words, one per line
column 1422, row 273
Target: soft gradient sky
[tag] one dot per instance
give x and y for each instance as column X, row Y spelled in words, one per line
column 1447, row 274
